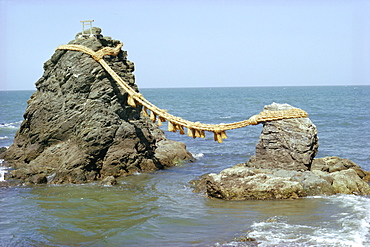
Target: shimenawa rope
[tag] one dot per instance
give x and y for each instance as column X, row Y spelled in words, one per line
column 194, row 129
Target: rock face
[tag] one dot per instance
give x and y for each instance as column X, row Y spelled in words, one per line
column 289, row 144
column 284, row 167
column 78, row 126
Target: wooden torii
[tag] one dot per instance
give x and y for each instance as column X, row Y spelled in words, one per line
column 87, row 23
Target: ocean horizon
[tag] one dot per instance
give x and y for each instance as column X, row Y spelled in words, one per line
column 262, row 86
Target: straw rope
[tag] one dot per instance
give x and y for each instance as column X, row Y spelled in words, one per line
column 194, row 129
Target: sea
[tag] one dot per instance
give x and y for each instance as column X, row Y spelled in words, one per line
column 161, row 209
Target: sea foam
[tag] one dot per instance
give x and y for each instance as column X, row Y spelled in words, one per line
column 14, row 125
column 350, row 227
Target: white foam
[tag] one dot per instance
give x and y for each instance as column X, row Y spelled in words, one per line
column 349, row 228
column 3, row 137
column 355, row 224
column 2, row 171
column 14, row 125
column 7, row 126
column 198, row 155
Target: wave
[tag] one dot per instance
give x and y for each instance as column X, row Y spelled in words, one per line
column 347, row 227
column 3, row 170
column 14, row 125
column 4, row 137
column 198, row 155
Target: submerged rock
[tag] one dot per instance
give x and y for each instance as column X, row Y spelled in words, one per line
column 284, row 167
column 78, row 126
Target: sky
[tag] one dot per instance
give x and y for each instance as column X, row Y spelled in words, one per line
column 197, row 43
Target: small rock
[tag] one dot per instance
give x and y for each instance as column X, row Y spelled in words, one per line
column 109, row 181
column 170, row 152
column 39, row 179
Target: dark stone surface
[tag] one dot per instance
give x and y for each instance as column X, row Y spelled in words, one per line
column 78, row 127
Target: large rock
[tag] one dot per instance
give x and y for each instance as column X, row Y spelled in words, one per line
column 244, row 183
column 284, row 167
column 240, row 183
column 289, row 144
column 78, row 126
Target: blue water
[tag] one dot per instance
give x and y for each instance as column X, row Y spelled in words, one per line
column 160, row 209
column 12, row 106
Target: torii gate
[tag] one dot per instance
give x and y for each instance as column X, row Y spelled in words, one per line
column 84, row 23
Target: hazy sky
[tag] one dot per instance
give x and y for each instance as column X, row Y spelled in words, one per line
column 198, row 43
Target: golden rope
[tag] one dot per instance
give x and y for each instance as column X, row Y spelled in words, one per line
column 194, row 129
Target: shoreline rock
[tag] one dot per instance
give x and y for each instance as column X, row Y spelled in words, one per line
column 79, row 128
column 244, row 183
column 284, row 167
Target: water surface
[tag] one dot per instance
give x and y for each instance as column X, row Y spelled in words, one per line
column 160, row 209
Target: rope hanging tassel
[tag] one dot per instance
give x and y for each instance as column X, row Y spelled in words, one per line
column 131, row 101
column 190, row 132
column 181, row 129
column 194, row 129
column 170, row 127
column 144, row 111
column 153, row 117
